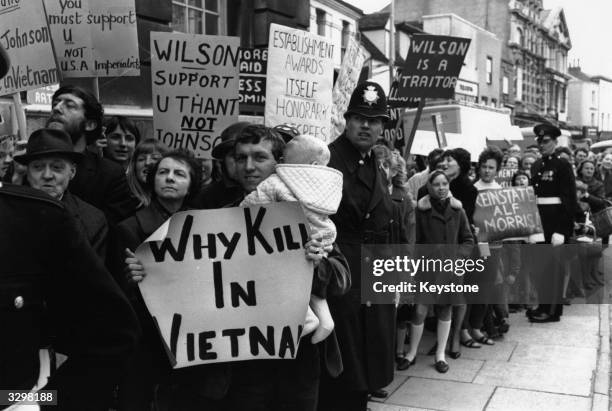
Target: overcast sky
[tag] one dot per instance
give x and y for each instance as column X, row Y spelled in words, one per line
column 589, row 23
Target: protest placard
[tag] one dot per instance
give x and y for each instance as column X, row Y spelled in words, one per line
column 94, row 38
column 432, row 66
column 42, row 95
column 504, row 176
column 299, row 81
column 506, row 213
column 230, row 284
column 252, row 87
column 195, row 89
column 25, row 36
column 347, row 79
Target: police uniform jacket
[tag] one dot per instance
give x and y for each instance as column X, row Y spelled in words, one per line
column 91, row 221
column 102, row 183
column 50, row 278
column 366, row 215
column 553, row 176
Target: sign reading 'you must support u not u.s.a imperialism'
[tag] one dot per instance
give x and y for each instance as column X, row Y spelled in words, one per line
column 195, row 89
column 299, row 81
column 432, row 66
column 229, row 285
column 26, row 38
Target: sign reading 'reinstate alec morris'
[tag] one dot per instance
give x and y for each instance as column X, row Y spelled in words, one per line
column 26, row 38
column 299, row 81
column 432, row 66
column 230, row 284
column 94, row 38
column 195, row 89
column 506, row 213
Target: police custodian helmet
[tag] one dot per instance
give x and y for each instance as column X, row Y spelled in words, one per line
column 368, row 100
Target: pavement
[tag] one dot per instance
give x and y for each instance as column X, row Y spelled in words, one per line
column 542, row 367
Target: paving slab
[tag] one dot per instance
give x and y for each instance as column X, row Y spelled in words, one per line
column 398, row 380
column 547, row 334
column 501, row 351
column 459, row 370
column 577, row 310
column 555, row 354
column 600, row 402
column 441, row 395
column 377, row 406
column 507, row 399
column 536, row 377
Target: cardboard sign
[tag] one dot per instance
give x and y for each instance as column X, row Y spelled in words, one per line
column 506, row 213
column 94, row 38
column 432, row 66
column 252, row 86
column 300, row 76
column 25, row 36
column 195, row 89
column 353, row 60
column 395, row 101
column 230, row 284
column 504, row 176
column 42, row 95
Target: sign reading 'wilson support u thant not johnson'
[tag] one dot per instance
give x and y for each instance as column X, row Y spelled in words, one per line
column 432, row 66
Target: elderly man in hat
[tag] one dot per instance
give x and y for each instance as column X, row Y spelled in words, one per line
column 51, row 163
column 365, row 216
column 555, row 187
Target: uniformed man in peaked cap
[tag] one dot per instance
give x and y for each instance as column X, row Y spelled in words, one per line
column 555, row 188
column 365, row 216
column 50, row 278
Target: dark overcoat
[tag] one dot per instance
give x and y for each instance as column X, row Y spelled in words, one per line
column 50, row 278
column 102, row 183
column 91, row 221
column 366, row 334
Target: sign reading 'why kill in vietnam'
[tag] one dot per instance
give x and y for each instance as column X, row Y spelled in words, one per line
column 353, row 60
column 230, row 284
column 299, row 81
column 195, row 89
column 432, row 66
column 25, row 36
column 506, row 213
column 253, row 67
column 94, row 38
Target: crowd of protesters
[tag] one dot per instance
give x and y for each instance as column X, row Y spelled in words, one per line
column 120, row 186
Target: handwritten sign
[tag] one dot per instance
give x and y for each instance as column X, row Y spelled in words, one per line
column 353, row 60
column 253, row 67
column 42, row 95
column 94, row 38
column 300, row 76
column 504, row 176
column 432, row 66
column 229, row 284
column 195, row 89
column 25, row 36
column 506, row 213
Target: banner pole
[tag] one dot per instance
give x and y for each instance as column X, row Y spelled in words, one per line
column 21, row 117
column 417, row 118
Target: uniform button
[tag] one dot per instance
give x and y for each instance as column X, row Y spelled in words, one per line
column 368, row 304
column 539, row 174
column 18, row 302
column 361, row 162
column 367, row 216
column 537, row 185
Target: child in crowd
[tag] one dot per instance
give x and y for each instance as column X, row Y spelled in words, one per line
column 304, row 177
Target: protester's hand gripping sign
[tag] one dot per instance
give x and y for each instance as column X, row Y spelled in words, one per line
column 195, row 89
column 25, row 36
column 507, row 213
column 230, row 284
column 299, row 81
column 94, row 38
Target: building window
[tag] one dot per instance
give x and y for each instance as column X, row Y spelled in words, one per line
column 593, row 99
column 593, row 120
column 320, row 22
column 346, row 32
column 519, row 83
column 484, row 100
column 197, row 16
column 505, row 85
column 519, row 36
column 489, row 70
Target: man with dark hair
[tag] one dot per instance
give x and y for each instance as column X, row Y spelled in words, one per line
column 555, row 187
column 98, row 181
column 420, row 179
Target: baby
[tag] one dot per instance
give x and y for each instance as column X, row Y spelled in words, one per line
column 304, row 177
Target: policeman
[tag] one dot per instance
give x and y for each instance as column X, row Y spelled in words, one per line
column 555, row 187
column 51, row 279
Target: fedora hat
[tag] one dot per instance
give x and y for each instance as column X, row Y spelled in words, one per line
column 228, row 139
column 368, row 100
column 49, row 142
